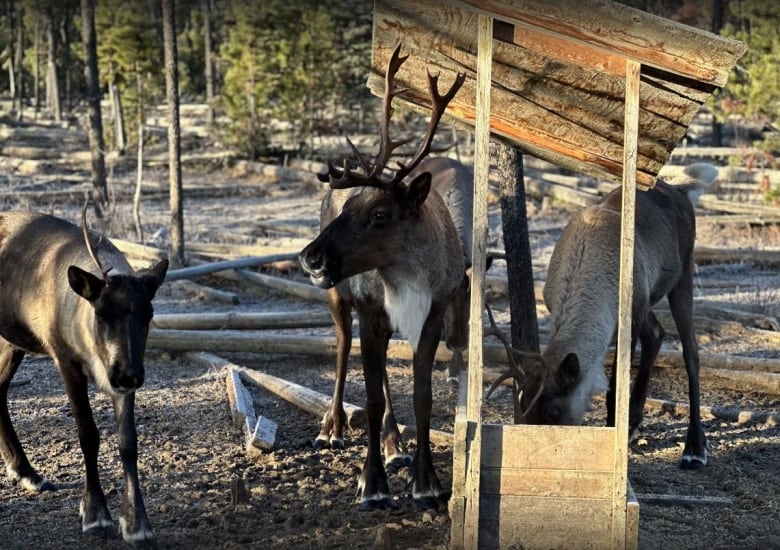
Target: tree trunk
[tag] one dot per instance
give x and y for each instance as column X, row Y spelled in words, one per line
column 96, row 145
column 209, row 69
column 18, row 65
column 37, row 66
column 65, row 37
column 174, row 132
column 52, row 82
column 717, row 25
column 120, row 141
column 522, row 300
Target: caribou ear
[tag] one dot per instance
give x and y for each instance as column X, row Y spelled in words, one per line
column 85, row 284
column 154, row 277
column 418, row 190
column 568, row 372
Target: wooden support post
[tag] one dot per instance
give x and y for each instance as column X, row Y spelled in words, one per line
column 479, row 253
column 620, row 470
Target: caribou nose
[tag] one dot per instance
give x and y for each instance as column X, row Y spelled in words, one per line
column 310, row 262
column 127, row 381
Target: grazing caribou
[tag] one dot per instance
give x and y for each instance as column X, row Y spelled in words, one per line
column 94, row 327
column 581, row 293
column 389, row 248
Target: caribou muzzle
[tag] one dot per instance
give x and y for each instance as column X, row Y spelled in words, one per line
column 314, row 265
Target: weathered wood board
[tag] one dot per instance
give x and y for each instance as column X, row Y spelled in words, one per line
column 559, row 74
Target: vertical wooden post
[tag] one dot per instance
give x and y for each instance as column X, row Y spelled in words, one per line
column 478, row 254
column 623, row 363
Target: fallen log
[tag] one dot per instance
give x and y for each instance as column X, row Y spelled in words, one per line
column 242, row 321
column 712, row 203
column 726, row 413
column 203, row 292
column 720, row 361
column 709, row 254
column 260, row 342
column 302, row 397
column 299, row 290
column 140, row 251
column 225, row 265
column 259, row 432
column 538, row 188
column 287, row 245
column 682, row 500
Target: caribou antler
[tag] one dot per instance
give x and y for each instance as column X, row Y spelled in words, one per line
column 515, row 370
column 372, row 172
column 91, row 250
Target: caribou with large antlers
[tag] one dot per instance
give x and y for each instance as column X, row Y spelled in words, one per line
column 94, row 327
column 388, row 248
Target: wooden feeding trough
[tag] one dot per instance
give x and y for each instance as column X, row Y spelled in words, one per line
column 596, row 87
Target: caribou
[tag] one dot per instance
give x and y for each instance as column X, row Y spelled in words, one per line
column 389, row 249
column 94, row 327
column 581, row 293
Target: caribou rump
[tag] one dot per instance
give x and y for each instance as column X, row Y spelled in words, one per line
column 94, row 328
column 581, row 293
column 388, row 247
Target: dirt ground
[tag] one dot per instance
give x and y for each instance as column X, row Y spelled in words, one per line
column 190, row 452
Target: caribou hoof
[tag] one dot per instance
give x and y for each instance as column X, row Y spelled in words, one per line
column 37, row 486
column 398, row 461
column 431, row 502
column 141, row 538
column 378, row 502
column 323, row 442
column 689, row 462
column 100, row 530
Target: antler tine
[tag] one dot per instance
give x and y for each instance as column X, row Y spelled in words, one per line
column 387, row 145
column 439, row 104
column 91, row 250
column 372, row 172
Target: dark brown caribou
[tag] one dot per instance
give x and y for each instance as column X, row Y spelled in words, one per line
column 581, row 293
column 388, row 247
column 94, row 327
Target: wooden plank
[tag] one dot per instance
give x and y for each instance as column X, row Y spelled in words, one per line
column 536, row 523
column 479, row 254
column 553, row 447
column 632, row 519
column 546, row 483
column 539, row 103
column 625, row 300
column 626, row 32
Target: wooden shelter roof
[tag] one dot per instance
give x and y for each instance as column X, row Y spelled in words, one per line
column 558, row 74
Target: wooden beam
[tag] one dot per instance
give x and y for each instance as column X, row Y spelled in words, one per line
column 625, row 300
column 649, row 40
column 479, row 255
column 242, row 321
column 225, row 265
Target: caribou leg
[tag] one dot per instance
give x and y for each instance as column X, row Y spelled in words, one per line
column 393, row 444
column 651, row 335
column 427, row 492
column 133, row 522
column 374, row 337
column 95, row 518
column 17, row 465
column 681, row 305
column 333, row 421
